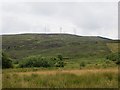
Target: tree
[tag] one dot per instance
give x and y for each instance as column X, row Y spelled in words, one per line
column 6, row 61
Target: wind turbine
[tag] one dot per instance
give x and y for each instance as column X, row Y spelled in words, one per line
column 45, row 29
column 60, row 29
column 74, row 30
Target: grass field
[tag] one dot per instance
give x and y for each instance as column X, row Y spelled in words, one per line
column 95, row 74
column 71, row 46
column 59, row 78
column 0, row 79
column 86, row 65
column 113, row 47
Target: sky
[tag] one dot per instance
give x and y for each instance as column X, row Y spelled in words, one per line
column 80, row 18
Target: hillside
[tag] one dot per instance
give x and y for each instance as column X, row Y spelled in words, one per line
column 70, row 46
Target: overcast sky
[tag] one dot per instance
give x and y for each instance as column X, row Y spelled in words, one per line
column 81, row 18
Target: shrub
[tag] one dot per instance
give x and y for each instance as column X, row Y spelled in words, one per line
column 118, row 61
column 60, row 57
column 114, row 57
column 15, row 62
column 39, row 61
column 59, row 64
column 35, row 61
column 82, row 64
column 6, row 61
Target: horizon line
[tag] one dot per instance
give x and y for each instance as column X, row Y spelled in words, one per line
column 58, row 33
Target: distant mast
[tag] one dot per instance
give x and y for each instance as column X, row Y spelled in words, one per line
column 60, row 29
column 74, row 30
column 45, row 29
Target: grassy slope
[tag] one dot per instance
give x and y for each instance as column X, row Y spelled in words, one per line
column 102, row 73
column 72, row 46
column 113, row 47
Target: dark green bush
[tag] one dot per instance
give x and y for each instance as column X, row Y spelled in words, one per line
column 6, row 61
column 59, row 64
column 39, row 61
column 15, row 62
column 60, row 57
column 35, row 61
column 114, row 57
column 82, row 64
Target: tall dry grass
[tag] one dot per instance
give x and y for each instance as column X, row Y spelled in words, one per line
column 97, row 78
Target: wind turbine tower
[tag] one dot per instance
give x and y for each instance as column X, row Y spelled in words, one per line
column 74, row 30
column 45, row 29
column 60, row 29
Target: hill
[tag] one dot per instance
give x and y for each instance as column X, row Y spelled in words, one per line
column 70, row 46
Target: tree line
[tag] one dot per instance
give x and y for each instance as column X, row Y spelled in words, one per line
column 40, row 61
column 33, row 61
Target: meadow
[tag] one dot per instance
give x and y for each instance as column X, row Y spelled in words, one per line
column 97, row 74
column 83, row 62
column 88, row 78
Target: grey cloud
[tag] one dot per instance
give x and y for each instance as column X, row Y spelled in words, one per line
column 43, row 8
column 89, row 17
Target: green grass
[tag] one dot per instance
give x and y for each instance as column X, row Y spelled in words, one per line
column 0, row 79
column 113, row 47
column 104, row 78
column 71, row 46
column 96, row 73
column 90, row 63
